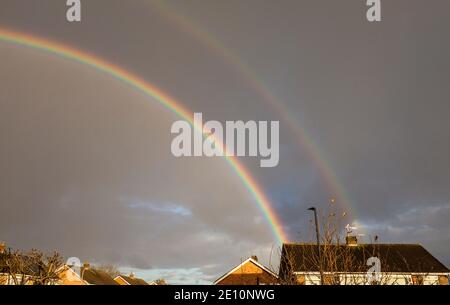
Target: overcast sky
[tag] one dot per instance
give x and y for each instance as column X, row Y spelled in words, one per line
column 85, row 162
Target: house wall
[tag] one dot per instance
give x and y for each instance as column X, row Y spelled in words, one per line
column 6, row 279
column 69, row 277
column 248, row 274
column 360, row 279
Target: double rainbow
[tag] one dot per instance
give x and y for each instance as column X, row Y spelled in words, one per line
column 301, row 136
column 161, row 97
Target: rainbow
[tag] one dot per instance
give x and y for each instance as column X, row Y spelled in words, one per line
column 302, row 137
column 164, row 99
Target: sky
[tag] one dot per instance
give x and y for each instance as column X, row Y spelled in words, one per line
column 85, row 161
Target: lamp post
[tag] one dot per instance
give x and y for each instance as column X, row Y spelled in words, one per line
column 318, row 241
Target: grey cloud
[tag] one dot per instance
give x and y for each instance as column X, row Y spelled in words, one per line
column 75, row 142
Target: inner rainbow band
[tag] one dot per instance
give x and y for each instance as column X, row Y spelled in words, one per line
column 164, row 99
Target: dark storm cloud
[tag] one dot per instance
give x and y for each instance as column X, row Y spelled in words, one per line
column 87, row 169
column 374, row 97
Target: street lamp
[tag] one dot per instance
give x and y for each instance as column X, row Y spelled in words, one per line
column 318, row 241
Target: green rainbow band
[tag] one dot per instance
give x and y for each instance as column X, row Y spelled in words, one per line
column 164, row 99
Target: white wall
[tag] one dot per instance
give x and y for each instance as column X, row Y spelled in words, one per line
column 313, row 278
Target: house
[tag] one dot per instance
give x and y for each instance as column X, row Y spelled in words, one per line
column 92, row 276
column 249, row 272
column 68, row 276
column 86, row 275
column 349, row 263
column 24, row 269
column 129, row 280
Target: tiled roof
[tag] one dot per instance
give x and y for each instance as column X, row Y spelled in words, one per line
column 96, row 277
column 133, row 280
column 404, row 258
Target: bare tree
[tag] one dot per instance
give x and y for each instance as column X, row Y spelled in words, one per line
column 17, row 268
column 48, row 266
column 31, row 268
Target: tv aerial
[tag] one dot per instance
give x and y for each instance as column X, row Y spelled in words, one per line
column 350, row 229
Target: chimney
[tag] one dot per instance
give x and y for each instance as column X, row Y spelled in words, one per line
column 86, row 265
column 351, row 240
column 2, row 247
column 255, row 258
column 132, row 275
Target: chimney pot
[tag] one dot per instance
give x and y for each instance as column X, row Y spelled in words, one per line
column 255, row 258
column 351, row 240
